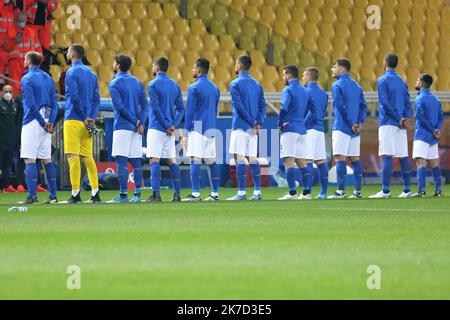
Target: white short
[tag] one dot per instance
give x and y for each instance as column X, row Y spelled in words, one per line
column 293, row 145
column 393, row 142
column 345, row 145
column 425, row 150
column 243, row 143
column 127, row 143
column 201, row 146
column 160, row 145
column 315, row 145
column 36, row 143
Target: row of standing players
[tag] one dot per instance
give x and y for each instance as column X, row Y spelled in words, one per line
column 300, row 123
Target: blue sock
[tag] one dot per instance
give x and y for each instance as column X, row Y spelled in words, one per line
column 256, row 174
column 341, row 172
column 310, row 169
column 195, row 176
column 50, row 171
column 175, row 175
column 437, row 178
column 122, row 170
column 306, row 178
column 241, row 175
column 357, row 173
column 421, row 176
column 386, row 174
column 406, row 174
column 137, row 173
column 323, row 177
column 31, row 179
column 214, row 168
column 291, row 174
column 155, row 169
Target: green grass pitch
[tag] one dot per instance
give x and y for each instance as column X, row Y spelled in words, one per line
column 245, row 250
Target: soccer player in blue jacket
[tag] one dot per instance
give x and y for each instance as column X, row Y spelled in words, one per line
column 130, row 104
column 350, row 111
column 166, row 113
column 315, row 139
column 394, row 110
column 200, row 127
column 296, row 102
column 249, row 110
column 429, row 123
column 82, row 105
column 40, row 110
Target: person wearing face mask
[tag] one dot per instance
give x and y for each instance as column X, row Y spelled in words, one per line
column 9, row 124
column 22, row 40
column 6, row 24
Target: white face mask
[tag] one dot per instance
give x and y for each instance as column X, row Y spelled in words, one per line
column 7, row 1
column 22, row 25
column 7, row 96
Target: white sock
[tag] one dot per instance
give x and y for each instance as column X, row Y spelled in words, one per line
column 214, row 194
column 241, row 193
column 257, row 192
column 94, row 192
column 75, row 192
column 196, row 194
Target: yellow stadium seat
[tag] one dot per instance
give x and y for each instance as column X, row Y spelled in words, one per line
column 154, row 10
column 271, row 3
column 298, row 14
column 433, row 16
column 222, row 74
column 105, row 73
column 310, row 43
column 186, row 71
column 256, row 3
column 238, row 4
column 149, row 26
column 86, row 27
column 268, row 85
column 96, row 41
column 313, row 14
column 62, row 40
column 55, row 28
column 176, row 58
column 359, row 15
column 106, row 10
column 311, row 30
column 103, row 89
column 58, row 13
column 226, row 42
column 122, row 10
column 100, row 26
column 140, row 72
column 418, row 15
column 267, row 15
column 210, row 41
column 165, row 26
column 256, row 73
column 217, row 27
column 80, row 38
column 116, row 26
column 108, row 57
column 138, row 10
column 252, row 12
column 431, row 31
column 291, row 57
column 55, row 71
column 415, row 60
column 417, row 30
column 210, row 55
column 133, row 26
column 328, row 15
column 326, row 30
column 195, row 42
column 190, row 57
column 89, row 10
column 129, row 42
column 233, row 28
column 342, row 30
column 220, row 12
column 283, row 14
column 143, row 58
column 113, row 42
column 356, row 45
column 258, row 59
column 179, row 42
column 224, row 58
column 246, row 43
column 315, row 3
column 295, row 30
column 197, row 26
column 324, row 46
column 170, row 11
column 249, row 28
column 205, row 12
column 403, row 15
column 339, row 47
column 174, row 73
column 94, row 58
column 343, row 15
column 163, row 42
column 270, row 72
column 159, row 53
column 181, row 26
